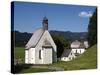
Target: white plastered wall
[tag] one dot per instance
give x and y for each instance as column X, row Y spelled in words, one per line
column 80, row 50
column 47, row 56
column 31, row 56
column 26, row 56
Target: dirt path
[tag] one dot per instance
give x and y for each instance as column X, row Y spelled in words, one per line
column 49, row 67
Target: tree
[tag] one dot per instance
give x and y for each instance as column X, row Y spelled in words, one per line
column 92, row 29
column 61, row 43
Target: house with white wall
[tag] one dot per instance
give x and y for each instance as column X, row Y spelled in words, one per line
column 86, row 44
column 67, row 55
column 78, row 47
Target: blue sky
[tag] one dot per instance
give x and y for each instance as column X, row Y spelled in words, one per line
column 28, row 16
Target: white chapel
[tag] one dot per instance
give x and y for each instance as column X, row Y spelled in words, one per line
column 41, row 48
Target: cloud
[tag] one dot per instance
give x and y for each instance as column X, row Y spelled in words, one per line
column 85, row 14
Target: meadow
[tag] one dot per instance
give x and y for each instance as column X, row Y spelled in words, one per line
column 88, row 60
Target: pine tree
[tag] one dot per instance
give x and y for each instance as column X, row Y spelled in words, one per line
column 92, row 29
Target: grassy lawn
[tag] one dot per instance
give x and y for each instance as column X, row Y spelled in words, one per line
column 31, row 70
column 88, row 60
column 26, row 68
column 19, row 53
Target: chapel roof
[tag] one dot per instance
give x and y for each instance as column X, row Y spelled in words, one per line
column 35, row 38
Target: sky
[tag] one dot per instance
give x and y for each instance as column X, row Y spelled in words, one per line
column 61, row 17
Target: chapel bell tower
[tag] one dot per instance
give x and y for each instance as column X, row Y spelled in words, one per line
column 45, row 23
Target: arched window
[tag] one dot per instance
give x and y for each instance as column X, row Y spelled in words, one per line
column 39, row 54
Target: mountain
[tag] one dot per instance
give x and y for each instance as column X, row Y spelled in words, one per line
column 21, row 38
column 71, row 35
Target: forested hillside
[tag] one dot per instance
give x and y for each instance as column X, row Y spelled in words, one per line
column 21, row 38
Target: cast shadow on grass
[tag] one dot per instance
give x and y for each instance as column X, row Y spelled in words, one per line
column 19, row 67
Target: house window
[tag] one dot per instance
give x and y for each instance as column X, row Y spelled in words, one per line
column 39, row 54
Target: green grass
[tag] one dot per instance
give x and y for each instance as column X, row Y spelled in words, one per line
column 26, row 68
column 31, row 70
column 88, row 60
column 19, row 52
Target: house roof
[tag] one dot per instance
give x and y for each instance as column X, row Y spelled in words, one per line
column 35, row 38
column 75, row 44
column 66, row 53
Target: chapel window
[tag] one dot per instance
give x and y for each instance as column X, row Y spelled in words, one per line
column 39, row 54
